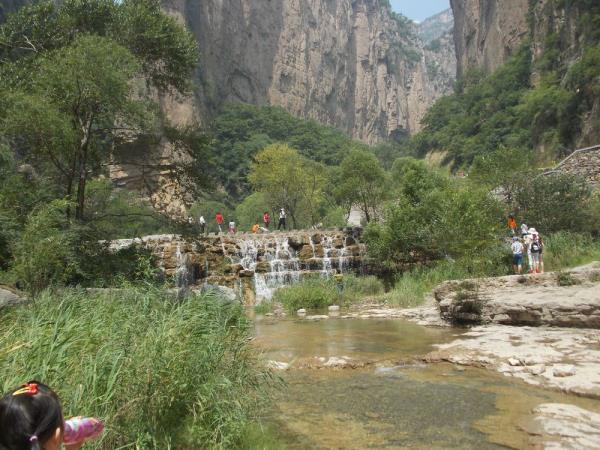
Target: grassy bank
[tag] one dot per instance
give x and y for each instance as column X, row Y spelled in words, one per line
column 314, row 293
column 162, row 374
column 562, row 250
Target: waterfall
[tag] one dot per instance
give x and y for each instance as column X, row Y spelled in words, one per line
column 327, row 243
column 182, row 273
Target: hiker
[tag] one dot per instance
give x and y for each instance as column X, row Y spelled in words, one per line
column 202, row 224
column 31, row 418
column 266, row 219
column 281, row 220
column 232, row 227
column 524, row 229
column 512, row 224
column 219, row 219
column 517, row 250
column 527, row 240
column 536, row 253
column 255, row 228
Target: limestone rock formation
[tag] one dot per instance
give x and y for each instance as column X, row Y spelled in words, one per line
column 351, row 64
column 487, row 33
column 533, row 300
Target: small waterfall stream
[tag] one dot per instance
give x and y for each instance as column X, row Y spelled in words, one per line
column 276, row 263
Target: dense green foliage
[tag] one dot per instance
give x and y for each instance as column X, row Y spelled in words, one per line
column 78, row 79
column 160, row 373
column 505, row 110
column 240, row 131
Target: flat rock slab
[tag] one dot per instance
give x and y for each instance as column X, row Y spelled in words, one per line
column 561, row 426
column 563, row 359
column 534, row 300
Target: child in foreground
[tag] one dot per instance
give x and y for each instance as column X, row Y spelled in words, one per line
column 31, row 419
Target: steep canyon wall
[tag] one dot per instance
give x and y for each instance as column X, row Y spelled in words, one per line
column 351, row 64
column 488, row 32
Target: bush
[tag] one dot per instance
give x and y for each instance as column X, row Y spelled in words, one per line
column 160, row 373
column 566, row 279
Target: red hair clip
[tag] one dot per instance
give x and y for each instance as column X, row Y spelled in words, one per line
column 27, row 389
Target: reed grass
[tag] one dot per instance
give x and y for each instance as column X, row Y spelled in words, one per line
column 316, row 293
column 161, row 373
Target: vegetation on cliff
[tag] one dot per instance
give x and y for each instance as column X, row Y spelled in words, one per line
column 532, row 102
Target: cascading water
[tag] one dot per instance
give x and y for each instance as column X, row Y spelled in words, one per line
column 327, row 244
column 182, row 272
column 277, row 260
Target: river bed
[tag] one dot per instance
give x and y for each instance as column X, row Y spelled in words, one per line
column 392, row 399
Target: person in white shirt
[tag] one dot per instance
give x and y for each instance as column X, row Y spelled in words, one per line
column 232, row 227
column 517, row 250
column 282, row 217
column 202, row 223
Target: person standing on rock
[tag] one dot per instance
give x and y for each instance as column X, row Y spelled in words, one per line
column 536, row 253
column 517, row 250
column 282, row 217
column 266, row 219
column 202, row 224
column 219, row 219
column 232, row 229
column 527, row 240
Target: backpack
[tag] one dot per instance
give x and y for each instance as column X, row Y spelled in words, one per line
column 535, row 247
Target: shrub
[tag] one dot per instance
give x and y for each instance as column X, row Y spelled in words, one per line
column 160, row 373
column 566, row 279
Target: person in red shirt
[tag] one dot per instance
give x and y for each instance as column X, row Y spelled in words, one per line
column 219, row 219
column 266, row 219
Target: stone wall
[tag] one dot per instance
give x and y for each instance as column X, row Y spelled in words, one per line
column 251, row 262
column 584, row 162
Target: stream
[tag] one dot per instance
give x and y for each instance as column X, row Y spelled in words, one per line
column 391, row 399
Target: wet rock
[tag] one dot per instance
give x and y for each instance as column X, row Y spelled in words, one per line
column 334, row 361
column 278, row 365
column 317, row 317
column 563, row 426
column 514, row 362
column 537, row 369
column 334, row 308
column 301, row 312
column 246, row 273
column 564, row 370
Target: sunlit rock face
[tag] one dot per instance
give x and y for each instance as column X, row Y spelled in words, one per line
column 345, row 63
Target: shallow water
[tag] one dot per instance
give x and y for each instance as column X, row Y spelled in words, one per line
column 391, row 404
column 372, row 340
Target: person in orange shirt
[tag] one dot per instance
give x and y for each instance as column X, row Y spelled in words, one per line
column 255, row 228
column 512, row 224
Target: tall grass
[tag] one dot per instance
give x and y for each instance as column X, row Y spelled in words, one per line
column 161, row 373
column 314, row 293
column 564, row 249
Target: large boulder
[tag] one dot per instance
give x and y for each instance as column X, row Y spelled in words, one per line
column 9, row 297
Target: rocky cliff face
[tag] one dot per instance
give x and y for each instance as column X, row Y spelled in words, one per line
column 352, row 64
column 487, row 33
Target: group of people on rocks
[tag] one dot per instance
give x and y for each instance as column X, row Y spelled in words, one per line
column 231, row 228
column 526, row 241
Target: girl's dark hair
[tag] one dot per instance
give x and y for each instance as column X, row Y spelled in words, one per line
column 30, row 418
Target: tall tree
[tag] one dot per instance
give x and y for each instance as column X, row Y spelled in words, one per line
column 288, row 180
column 362, row 182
